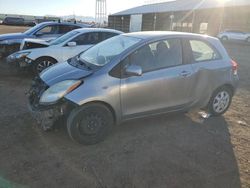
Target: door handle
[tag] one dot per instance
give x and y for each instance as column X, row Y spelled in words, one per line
column 185, row 73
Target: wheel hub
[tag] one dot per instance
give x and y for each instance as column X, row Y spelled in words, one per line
column 221, row 101
column 43, row 65
column 90, row 124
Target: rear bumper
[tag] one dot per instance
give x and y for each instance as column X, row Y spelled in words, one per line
column 235, row 82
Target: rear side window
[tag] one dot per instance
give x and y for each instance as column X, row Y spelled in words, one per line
column 107, row 35
column 87, row 38
column 66, row 28
column 203, row 51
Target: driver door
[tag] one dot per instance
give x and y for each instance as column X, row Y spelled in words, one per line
column 165, row 83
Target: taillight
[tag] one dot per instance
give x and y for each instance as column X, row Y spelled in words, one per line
column 234, row 67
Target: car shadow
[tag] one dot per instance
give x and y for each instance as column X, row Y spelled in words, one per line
column 176, row 150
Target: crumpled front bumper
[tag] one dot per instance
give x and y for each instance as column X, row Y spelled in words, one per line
column 47, row 118
column 46, row 115
column 22, row 62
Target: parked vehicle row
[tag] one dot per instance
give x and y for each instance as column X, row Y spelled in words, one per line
column 60, row 49
column 10, row 43
column 102, row 77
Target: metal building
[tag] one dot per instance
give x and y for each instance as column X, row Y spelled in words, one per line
column 198, row 16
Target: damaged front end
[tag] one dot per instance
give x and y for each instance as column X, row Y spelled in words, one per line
column 33, row 43
column 19, row 60
column 46, row 115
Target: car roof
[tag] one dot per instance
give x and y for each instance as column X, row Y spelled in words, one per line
column 159, row 34
column 85, row 30
column 66, row 23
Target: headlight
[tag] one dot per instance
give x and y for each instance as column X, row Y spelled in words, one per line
column 59, row 90
column 22, row 55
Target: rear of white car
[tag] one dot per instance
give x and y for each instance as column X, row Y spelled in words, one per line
column 234, row 35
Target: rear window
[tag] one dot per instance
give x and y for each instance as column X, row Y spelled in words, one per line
column 66, row 28
column 203, row 51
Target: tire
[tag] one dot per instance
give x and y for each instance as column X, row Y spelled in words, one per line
column 42, row 63
column 224, row 38
column 220, row 101
column 90, row 124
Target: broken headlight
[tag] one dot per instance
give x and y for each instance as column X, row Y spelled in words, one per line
column 59, row 90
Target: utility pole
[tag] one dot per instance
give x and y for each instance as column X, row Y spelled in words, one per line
column 100, row 11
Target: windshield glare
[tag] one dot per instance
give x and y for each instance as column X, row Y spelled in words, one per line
column 64, row 38
column 104, row 52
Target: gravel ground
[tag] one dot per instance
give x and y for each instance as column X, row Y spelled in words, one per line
column 177, row 150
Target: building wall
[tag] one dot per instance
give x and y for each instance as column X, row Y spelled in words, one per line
column 206, row 21
column 121, row 23
column 238, row 19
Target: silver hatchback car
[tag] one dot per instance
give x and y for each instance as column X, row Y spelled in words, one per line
column 134, row 75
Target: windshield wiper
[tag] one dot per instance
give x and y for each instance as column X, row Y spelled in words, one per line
column 84, row 63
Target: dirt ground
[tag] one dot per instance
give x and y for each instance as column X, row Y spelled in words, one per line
column 174, row 151
column 12, row 29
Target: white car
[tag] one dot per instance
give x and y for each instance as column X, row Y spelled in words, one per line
column 62, row 48
column 234, row 35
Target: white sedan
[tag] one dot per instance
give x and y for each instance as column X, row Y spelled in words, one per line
column 62, row 48
column 234, row 35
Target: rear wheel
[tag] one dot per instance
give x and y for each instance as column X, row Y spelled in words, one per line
column 43, row 63
column 90, row 123
column 220, row 101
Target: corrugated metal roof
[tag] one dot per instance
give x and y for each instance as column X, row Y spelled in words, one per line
column 182, row 5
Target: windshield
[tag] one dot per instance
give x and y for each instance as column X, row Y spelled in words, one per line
column 64, row 38
column 104, row 52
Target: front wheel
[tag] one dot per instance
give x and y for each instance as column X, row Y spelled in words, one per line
column 43, row 63
column 220, row 101
column 90, row 123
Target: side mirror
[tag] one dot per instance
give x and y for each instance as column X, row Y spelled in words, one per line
column 71, row 44
column 133, row 70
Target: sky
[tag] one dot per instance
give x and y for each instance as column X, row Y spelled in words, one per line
column 62, row 7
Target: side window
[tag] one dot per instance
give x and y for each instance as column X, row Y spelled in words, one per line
column 202, row 51
column 107, row 35
column 53, row 29
column 66, row 28
column 87, row 39
column 158, row 55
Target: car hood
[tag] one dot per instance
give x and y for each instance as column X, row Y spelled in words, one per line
column 12, row 36
column 63, row 71
column 33, row 43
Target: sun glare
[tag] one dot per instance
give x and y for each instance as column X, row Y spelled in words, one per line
column 223, row 1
